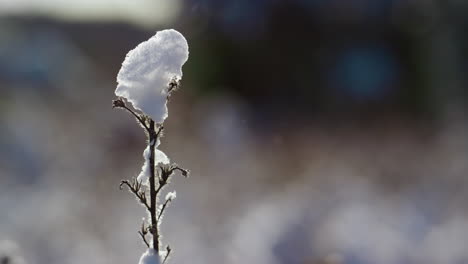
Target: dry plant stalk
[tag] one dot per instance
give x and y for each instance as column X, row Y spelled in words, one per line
column 159, row 177
column 145, row 81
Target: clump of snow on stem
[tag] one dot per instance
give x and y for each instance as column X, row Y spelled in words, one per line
column 151, row 256
column 149, row 68
column 171, row 196
column 159, row 158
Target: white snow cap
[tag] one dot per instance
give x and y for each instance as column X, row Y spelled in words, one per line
column 159, row 158
column 151, row 256
column 149, row 68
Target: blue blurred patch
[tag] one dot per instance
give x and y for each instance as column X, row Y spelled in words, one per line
column 364, row 73
column 243, row 17
column 367, row 8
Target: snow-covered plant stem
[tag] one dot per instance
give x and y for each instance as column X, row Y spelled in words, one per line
column 149, row 74
column 159, row 176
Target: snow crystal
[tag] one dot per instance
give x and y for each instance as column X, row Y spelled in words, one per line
column 150, row 257
column 159, row 158
column 149, row 68
column 171, row 195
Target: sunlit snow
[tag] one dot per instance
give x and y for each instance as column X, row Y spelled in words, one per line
column 150, row 257
column 159, row 158
column 149, row 68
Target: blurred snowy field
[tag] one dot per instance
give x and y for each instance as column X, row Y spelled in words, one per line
column 384, row 194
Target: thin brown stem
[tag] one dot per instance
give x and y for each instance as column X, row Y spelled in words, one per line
column 154, row 132
column 153, row 193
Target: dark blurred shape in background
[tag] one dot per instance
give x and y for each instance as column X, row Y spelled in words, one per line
column 316, row 131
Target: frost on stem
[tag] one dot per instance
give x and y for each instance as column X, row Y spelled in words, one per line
column 149, row 74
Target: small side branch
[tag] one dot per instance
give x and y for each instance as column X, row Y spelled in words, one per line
column 168, row 250
column 144, row 238
column 184, row 172
column 119, row 103
column 168, row 170
column 135, row 188
column 161, row 212
column 143, row 232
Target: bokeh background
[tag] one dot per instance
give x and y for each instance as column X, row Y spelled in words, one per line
column 316, row 132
